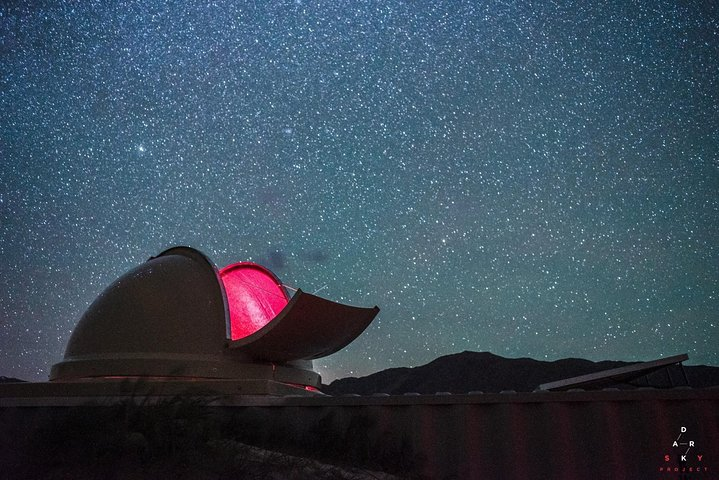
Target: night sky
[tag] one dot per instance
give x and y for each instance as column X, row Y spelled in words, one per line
column 533, row 179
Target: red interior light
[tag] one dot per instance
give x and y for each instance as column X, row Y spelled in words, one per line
column 254, row 296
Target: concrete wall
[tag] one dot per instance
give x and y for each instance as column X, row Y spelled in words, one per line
column 571, row 435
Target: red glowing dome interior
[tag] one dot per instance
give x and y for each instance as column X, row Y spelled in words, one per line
column 254, row 296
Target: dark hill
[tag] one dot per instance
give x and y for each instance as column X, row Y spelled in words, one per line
column 482, row 371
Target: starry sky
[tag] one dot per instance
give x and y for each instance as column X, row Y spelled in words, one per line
column 533, row 179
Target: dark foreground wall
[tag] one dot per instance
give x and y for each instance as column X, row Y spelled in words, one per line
column 573, row 435
column 549, row 435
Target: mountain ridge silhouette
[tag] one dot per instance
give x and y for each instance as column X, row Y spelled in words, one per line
column 489, row 373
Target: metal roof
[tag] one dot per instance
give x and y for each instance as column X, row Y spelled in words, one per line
column 614, row 375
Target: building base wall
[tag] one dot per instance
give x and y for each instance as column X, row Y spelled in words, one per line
column 569, row 435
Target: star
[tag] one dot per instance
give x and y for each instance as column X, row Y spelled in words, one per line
column 496, row 177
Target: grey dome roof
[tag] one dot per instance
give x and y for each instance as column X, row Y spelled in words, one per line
column 173, row 303
column 165, row 318
column 169, row 317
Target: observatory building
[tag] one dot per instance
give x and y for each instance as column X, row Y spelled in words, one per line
column 177, row 320
column 177, row 327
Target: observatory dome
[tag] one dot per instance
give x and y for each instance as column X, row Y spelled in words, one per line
column 170, row 318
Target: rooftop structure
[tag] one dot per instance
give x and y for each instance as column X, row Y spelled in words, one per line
column 176, row 317
column 608, row 378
